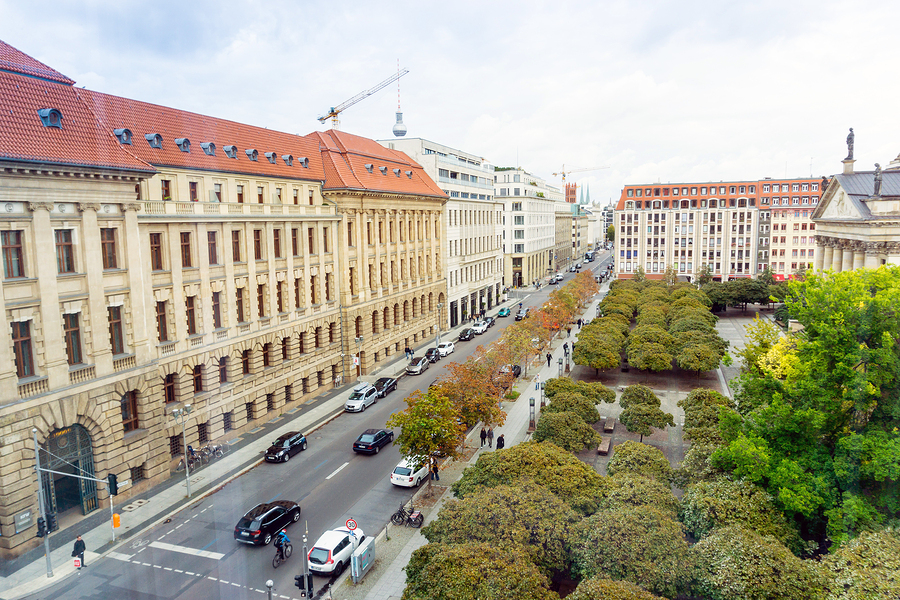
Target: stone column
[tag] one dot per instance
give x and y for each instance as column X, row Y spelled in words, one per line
column 872, row 252
column 55, row 362
column 143, row 306
column 836, row 258
column 859, row 258
column 847, row 258
column 825, row 256
column 820, row 257
column 97, row 313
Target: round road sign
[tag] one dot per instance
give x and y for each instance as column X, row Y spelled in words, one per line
column 351, row 524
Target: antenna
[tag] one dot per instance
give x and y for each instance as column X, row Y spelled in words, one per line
column 399, row 129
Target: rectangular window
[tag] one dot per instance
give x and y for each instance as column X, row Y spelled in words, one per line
column 212, row 244
column 129, row 411
column 192, row 186
column 261, row 299
column 21, row 336
column 245, row 362
column 223, row 370
column 295, row 242
column 169, row 390
column 186, row 261
column 162, row 327
column 276, row 239
column 239, row 304
column 349, row 234
column 311, row 238
column 166, row 187
column 297, row 303
column 13, row 254
column 156, row 252
column 312, row 289
column 311, row 200
column 108, row 247
column 279, row 296
column 260, row 194
column 325, row 239
column 217, row 190
column 217, row 310
column 116, row 335
column 257, row 244
column 327, row 287
column 240, row 194
column 190, row 314
column 278, row 195
column 65, row 253
column 236, row 246
column 296, row 196
column 198, row 378
column 352, row 281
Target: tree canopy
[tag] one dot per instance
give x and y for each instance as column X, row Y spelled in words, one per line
column 567, row 430
column 640, row 459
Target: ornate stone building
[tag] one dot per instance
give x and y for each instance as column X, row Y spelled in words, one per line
column 858, row 221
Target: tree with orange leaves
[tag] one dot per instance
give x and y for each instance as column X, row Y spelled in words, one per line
column 474, row 387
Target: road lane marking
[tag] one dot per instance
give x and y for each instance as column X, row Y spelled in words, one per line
column 338, row 470
column 186, row 550
column 119, row 556
column 320, row 464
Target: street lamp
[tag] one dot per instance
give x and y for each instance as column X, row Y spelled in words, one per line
column 560, row 366
column 440, row 307
column 356, row 359
column 531, row 414
column 543, row 383
column 180, row 415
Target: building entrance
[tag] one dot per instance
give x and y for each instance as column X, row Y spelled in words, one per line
column 69, row 450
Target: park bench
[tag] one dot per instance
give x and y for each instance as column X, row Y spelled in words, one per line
column 609, row 425
column 603, row 448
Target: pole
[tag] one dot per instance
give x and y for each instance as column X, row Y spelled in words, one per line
column 112, row 517
column 37, row 463
column 307, row 581
column 187, row 469
column 269, row 585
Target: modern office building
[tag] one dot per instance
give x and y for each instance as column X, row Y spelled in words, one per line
column 562, row 254
column 473, row 229
column 786, row 235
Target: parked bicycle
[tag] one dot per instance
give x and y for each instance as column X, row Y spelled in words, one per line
column 190, row 463
column 409, row 517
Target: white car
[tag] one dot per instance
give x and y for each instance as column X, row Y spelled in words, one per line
column 410, row 473
column 480, row 327
column 331, row 552
column 363, row 395
column 446, row 348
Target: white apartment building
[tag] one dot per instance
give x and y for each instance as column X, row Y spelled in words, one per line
column 529, row 225
column 473, row 227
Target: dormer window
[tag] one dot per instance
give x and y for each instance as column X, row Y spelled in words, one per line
column 50, row 117
column 397, row 172
column 288, row 159
column 123, row 135
column 154, row 139
column 183, row 144
column 304, row 162
column 230, row 151
column 409, row 174
column 252, row 154
column 209, row 148
column 369, row 167
column 271, row 157
column 383, row 170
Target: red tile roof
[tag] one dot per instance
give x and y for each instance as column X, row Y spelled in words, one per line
column 16, row 61
column 345, row 157
column 142, row 118
column 81, row 141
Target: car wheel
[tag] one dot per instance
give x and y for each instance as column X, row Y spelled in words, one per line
column 295, row 516
column 267, row 539
column 418, row 482
column 303, row 445
column 377, row 448
column 363, row 409
column 287, row 457
column 391, row 437
column 339, row 567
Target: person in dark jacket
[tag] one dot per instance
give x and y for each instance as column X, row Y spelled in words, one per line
column 490, row 437
column 79, row 551
column 549, row 357
column 501, row 442
column 483, row 436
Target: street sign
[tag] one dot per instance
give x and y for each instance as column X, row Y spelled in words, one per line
column 351, row 524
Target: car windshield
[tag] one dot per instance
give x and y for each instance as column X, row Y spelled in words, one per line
column 367, row 437
column 356, row 395
column 402, row 471
column 280, row 443
column 318, row 556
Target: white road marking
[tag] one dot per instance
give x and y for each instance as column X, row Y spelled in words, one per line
column 186, row 550
column 338, row 470
column 188, row 573
column 119, row 556
column 167, row 568
column 179, row 571
column 147, row 564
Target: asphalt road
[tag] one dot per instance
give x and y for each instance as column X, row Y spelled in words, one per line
column 194, row 555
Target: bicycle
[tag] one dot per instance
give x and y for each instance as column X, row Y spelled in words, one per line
column 282, row 554
column 190, row 464
column 411, row 517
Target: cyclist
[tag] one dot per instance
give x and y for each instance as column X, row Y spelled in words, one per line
column 281, row 540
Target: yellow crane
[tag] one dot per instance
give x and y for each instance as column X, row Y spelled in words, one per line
column 565, row 172
column 336, row 110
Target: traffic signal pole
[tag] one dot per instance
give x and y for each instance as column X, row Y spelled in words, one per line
column 37, row 468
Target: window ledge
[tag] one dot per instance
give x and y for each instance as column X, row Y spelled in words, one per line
column 135, row 435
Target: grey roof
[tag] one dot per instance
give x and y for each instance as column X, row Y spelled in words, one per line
column 862, row 184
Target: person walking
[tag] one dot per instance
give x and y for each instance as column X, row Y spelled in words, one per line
column 78, row 551
column 490, row 437
column 568, row 331
column 537, row 382
column 483, row 436
column 435, row 476
column 501, row 442
column 566, row 348
column 408, row 353
column 549, row 358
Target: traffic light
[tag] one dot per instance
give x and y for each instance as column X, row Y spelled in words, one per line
column 113, row 484
column 42, row 529
column 298, row 579
column 51, row 522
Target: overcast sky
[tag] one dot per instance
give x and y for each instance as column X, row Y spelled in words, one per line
column 657, row 91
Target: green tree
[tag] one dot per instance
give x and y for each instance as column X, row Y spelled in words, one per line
column 611, row 233
column 641, row 545
column 649, row 356
column 627, row 489
column 594, row 391
column 573, row 403
column 567, row 430
column 474, row 570
column 526, row 515
column 865, row 567
column 761, row 335
column 640, row 459
column 705, row 275
column 724, row 572
column 600, row 588
column 698, row 357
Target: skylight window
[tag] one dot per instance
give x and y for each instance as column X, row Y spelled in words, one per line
column 397, row 172
column 271, row 157
column 123, row 135
column 409, row 174
column 383, row 170
column 252, row 154
column 183, row 144
column 288, row 159
column 369, row 167
column 50, row 117
column 230, row 151
column 304, row 162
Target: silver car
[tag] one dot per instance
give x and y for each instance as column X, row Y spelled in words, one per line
column 417, row 366
column 362, row 396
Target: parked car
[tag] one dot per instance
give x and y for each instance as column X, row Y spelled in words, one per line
column 385, row 386
column 417, row 366
column 409, row 473
column 503, row 312
column 260, row 524
column 491, row 321
column 363, row 395
column 559, row 277
column 577, row 265
column 479, row 327
column 332, row 551
column 433, row 355
column 371, row 441
column 516, row 370
column 446, row 348
column 466, row 334
column 521, row 314
column 286, row 446
column 573, row 269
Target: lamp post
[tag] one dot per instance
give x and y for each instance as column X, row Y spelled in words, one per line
column 543, row 383
column 531, row 414
column 560, row 366
column 357, row 361
column 440, row 307
column 180, row 415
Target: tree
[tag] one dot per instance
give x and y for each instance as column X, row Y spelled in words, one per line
column 641, row 545
column 698, row 358
column 641, row 411
column 600, row 588
column 640, row 459
column 473, row 387
column 594, row 391
column 638, row 394
column 865, row 567
column 525, row 515
column 611, row 233
column 649, row 356
column 573, row 403
column 575, row 482
column 567, row 430
column 724, row 572
column 628, row 489
column 761, row 335
column 474, row 570
column 705, row 275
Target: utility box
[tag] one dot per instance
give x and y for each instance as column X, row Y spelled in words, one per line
column 361, row 560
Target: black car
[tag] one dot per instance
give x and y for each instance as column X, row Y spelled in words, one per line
column 433, row 355
column 385, row 386
column 263, row 521
column 516, row 370
column 372, row 440
column 521, row 314
column 491, row 321
column 466, row 335
column 286, row 446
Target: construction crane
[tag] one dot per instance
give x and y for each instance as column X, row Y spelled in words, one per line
column 336, row 110
column 564, row 172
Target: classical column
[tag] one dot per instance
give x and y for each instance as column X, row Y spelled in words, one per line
column 859, row 258
column 55, row 361
column 847, row 257
column 825, row 254
column 836, row 257
column 97, row 313
column 873, row 251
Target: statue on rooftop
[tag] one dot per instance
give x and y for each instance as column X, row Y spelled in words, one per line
column 878, row 178
column 850, row 138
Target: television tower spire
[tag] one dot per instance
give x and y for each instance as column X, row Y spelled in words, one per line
column 399, row 128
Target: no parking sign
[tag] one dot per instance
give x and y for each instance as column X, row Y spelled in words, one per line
column 351, row 525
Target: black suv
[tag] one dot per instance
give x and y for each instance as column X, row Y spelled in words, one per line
column 372, row 440
column 263, row 521
column 466, row 335
column 522, row 314
column 286, row 446
column 385, row 386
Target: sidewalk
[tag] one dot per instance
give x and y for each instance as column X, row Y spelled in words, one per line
column 27, row 574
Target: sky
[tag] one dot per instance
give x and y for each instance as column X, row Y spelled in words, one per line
column 652, row 91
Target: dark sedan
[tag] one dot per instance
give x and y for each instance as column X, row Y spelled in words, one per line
column 263, row 521
column 385, row 386
column 433, row 355
column 466, row 335
column 286, row 446
column 491, row 321
column 372, row 440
